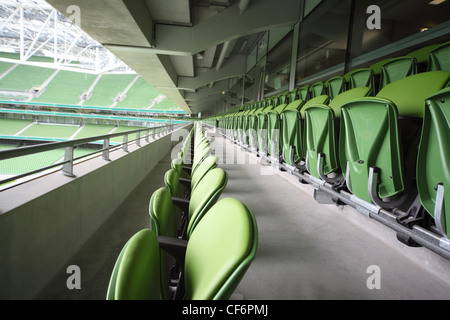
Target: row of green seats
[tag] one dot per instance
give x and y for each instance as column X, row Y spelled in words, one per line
column 351, row 134
column 198, row 247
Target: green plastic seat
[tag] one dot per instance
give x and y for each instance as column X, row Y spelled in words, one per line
column 183, row 187
column 292, row 130
column 274, row 130
column 136, row 273
column 363, row 77
column 177, row 165
column 261, row 130
column 172, row 182
column 322, row 135
column 165, row 220
column 206, row 193
column 422, row 55
column 318, row 89
column 335, row 86
column 246, row 124
column 207, row 164
column 213, row 268
column 304, row 93
column 378, row 151
column 396, row 69
column 243, row 125
column 433, row 166
column 440, row 58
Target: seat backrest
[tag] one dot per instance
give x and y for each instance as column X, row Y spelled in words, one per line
column 433, row 163
column 136, row 273
column 171, row 180
column 363, row 77
column 292, row 129
column 335, row 86
column 205, row 195
column 177, row 165
column 199, row 156
column 370, row 132
column 317, row 89
column 422, row 55
column 208, row 164
column 262, row 133
column 165, row 220
column 440, row 58
column 396, row 69
column 320, row 132
column 304, row 93
column 274, row 129
column 162, row 214
column 220, row 250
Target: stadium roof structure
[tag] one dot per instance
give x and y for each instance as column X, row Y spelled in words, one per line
column 32, row 28
column 33, row 34
column 190, row 50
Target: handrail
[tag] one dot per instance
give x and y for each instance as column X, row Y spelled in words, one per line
column 69, row 146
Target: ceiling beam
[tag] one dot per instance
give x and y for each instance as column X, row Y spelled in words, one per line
column 227, row 25
column 234, row 67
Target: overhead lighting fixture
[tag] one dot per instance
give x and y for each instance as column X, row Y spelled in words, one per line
column 424, row 29
column 436, row 2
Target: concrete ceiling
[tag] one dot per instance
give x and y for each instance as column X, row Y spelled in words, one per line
column 185, row 48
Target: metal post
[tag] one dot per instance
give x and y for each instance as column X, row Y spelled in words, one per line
column 105, row 154
column 125, row 143
column 67, row 168
column 138, row 139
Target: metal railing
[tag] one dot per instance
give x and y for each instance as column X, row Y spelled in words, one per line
column 70, row 145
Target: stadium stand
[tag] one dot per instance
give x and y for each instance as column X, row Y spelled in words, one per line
column 24, row 77
column 42, row 130
column 66, row 87
column 140, row 95
column 12, row 126
column 108, row 88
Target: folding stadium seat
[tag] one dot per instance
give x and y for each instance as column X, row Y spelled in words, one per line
column 363, row 77
column 433, row 166
column 335, row 86
column 321, row 135
column 236, row 124
column 440, row 58
column 378, row 151
column 261, row 129
column 246, row 124
column 165, row 221
column 214, row 260
column 397, row 68
column 205, row 194
column 292, row 136
column 317, row 89
column 274, row 126
column 239, row 124
column 243, row 125
column 253, row 124
column 422, row 55
column 304, row 93
column 183, row 187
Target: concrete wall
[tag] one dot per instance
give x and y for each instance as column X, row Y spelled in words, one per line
column 46, row 221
